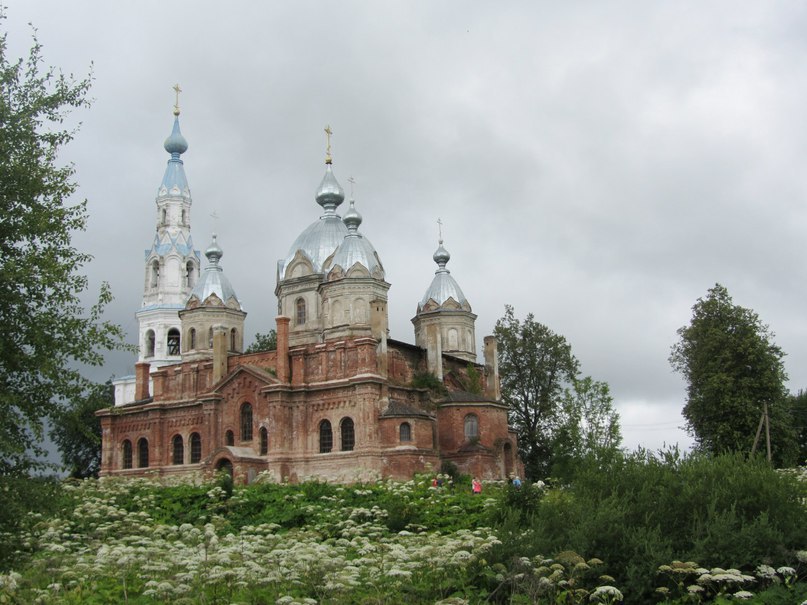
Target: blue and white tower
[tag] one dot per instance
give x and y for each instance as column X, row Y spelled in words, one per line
column 171, row 263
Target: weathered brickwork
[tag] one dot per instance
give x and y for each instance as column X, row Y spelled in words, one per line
column 251, row 422
column 338, row 400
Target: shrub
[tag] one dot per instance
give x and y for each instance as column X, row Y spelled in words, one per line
column 641, row 510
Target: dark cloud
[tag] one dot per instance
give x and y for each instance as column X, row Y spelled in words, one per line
column 600, row 166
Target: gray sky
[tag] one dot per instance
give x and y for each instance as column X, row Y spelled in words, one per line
column 600, row 165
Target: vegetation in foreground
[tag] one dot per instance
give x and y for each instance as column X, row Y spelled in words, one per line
column 636, row 528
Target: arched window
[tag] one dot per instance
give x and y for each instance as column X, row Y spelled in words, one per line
column 196, row 448
column 164, row 216
column 142, row 453
column 178, row 450
column 155, row 273
column 192, row 339
column 173, row 341
column 126, row 454
column 190, row 274
column 246, row 422
column 348, row 434
column 471, row 426
column 229, row 438
column 325, row 437
column 264, row 441
column 405, row 432
column 183, row 216
column 150, row 340
column 210, row 338
column 233, row 338
column 299, row 312
column 453, row 339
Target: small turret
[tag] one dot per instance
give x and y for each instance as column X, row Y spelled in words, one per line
column 444, row 322
column 212, row 308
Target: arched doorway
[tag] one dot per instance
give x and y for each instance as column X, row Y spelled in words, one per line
column 225, row 465
column 507, row 456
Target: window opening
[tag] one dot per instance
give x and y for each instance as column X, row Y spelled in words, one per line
column 246, row 422
column 348, row 434
column 471, row 426
column 264, row 441
column 196, row 448
column 150, row 341
column 325, row 437
column 300, row 320
column 127, row 454
column 406, row 431
column 142, row 453
column 178, row 449
column 173, row 341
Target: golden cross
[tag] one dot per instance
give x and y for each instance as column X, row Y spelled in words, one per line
column 178, row 90
column 440, row 229
column 328, row 133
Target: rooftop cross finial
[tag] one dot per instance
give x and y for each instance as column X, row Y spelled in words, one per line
column 352, row 182
column 440, row 230
column 214, row 215
column 328, row 133
column 177, row 90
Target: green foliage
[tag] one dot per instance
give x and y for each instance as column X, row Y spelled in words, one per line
column 427, row 380
column 263, row 342
column 474, row 383
column 798, row 412
column 732, row 368
column 139, row 542
column 48, row 332
column 639, row 511
column 558, row 415
column 19, row 497
column 76, row 431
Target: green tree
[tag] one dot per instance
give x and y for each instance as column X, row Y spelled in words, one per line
column 557, row 414
column 798, row 411
column 77, row 431
column 588, row 425
column 263, row 342
column 48, row 332
column 732, row 368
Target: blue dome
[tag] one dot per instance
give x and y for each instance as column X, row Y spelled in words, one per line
column 176, row 143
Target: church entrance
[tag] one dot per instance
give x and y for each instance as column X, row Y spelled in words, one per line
column 225, row 465
column 507, row 455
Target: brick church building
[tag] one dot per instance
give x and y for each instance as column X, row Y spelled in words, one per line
column 338, row 400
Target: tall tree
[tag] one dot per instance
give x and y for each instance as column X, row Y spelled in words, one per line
column 48, row 332
column 558, row 415
column 76, row 431
column 732, row 368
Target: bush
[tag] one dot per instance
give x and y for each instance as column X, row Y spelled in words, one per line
column 642, row 510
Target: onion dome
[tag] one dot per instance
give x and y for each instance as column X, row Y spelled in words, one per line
column 443, row 286
column 355, row 248
column 330, row 193
column 174, row 181
column 323, row 236
column 213, row 280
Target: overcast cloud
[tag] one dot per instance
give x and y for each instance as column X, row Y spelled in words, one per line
column 600, row 165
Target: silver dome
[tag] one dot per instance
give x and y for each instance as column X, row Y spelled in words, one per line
column 443, row 286
column 322, row 237
column 355, row 248
column 213, row 280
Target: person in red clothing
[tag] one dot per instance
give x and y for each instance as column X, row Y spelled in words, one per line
column 476, row 486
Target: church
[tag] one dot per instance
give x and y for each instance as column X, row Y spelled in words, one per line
column 337, row 400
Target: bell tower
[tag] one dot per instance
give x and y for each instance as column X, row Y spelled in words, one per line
column 171, row 264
